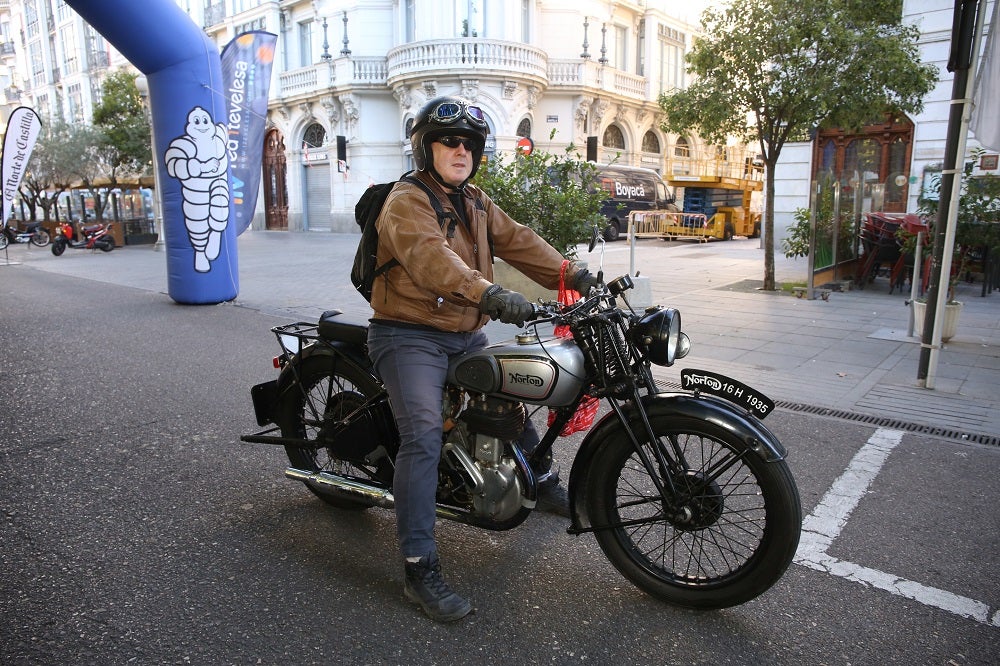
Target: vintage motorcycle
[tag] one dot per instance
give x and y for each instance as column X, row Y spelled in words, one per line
column 34, row 233
column 92, row 237
column 686, row 491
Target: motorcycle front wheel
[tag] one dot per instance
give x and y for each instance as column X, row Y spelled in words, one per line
column 730, row 534
column 58, row 246
column 40, row 238
column 3, row 240
column 328, row 389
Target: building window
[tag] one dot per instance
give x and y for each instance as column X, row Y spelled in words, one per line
column 75, row 101
column 305, row 43
column 613, row 138
column 409, row 21
column 671, row 58
column 640, row 49
column 621, row 46
column 650, row 144
column 526, row 21
column 314, row 136
column 681, row 148
column 524, row 128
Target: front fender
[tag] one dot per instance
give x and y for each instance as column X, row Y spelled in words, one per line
column 745, row 427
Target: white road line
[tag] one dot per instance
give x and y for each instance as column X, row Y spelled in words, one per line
column 825, row 523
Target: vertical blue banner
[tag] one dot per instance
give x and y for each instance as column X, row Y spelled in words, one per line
column 246, row 73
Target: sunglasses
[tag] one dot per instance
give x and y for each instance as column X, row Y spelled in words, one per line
column 455, row 142
column 447, row 113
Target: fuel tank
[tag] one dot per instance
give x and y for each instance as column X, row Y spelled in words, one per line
column 547, row 371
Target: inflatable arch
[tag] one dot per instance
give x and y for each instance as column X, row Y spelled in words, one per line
column 184, row 72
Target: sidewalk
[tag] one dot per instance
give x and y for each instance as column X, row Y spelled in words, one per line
column 848, row 356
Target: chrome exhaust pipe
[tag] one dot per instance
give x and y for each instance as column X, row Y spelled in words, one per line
column 328, row 482
column 334, row 484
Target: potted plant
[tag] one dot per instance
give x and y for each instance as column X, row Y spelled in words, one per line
column 977, row 236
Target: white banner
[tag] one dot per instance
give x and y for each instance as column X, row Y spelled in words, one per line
column 22, row 131
column 985, row 121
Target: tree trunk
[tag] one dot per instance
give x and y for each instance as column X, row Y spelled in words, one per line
column 769, row 227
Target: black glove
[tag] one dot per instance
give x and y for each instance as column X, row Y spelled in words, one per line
column 583, row 281
column 509, row 307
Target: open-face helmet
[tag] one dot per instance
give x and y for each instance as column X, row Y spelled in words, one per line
column 448, row 116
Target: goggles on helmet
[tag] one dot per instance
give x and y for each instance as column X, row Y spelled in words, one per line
column 447, row 113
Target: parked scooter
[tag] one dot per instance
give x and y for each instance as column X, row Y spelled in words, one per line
column 34, row 233
column 93, row 237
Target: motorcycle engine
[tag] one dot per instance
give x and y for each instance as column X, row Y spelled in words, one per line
column 478, row 449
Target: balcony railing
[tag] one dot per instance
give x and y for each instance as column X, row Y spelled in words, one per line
column 587, row 74
column 471, row 55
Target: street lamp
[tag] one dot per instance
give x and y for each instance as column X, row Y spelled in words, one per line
column 158, row 228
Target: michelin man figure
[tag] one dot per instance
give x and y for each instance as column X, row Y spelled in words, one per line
column 198, row 159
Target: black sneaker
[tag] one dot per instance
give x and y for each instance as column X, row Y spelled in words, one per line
column 425, row 586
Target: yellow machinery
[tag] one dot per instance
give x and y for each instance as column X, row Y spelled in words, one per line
column 717, row 193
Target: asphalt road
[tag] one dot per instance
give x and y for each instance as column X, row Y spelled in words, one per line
column 137, row 529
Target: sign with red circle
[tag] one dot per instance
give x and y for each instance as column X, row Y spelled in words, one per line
column 525, row 145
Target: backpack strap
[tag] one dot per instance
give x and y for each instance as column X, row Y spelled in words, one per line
column 444, row 217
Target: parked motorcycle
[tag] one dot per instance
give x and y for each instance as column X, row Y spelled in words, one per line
column 92, row 237
column 34, row 233
column 686, row 491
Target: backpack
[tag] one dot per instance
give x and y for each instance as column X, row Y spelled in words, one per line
column 366, row 212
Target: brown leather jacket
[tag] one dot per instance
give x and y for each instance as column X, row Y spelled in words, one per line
column 441, row 280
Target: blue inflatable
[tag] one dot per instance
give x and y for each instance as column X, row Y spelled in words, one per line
column 188, row 106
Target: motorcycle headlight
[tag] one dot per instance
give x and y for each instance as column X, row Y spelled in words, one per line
column 657, row 334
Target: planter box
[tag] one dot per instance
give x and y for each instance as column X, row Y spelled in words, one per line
column 140, row 239
column 949, row 325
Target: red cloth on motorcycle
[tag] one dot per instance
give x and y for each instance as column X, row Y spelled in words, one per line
column 584, row 416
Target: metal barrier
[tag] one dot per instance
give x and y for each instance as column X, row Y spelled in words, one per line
column 670, row 225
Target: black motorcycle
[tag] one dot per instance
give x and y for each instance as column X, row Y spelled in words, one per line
column 34, row 233
column 686, row 491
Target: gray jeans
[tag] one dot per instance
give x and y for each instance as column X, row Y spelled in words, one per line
column 413, row 365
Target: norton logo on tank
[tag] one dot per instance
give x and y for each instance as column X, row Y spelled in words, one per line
column 527, row 378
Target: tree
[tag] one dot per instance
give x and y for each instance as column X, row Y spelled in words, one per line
column 53, row 165
column 120, row 147
column 551, row 194
column 771, row 71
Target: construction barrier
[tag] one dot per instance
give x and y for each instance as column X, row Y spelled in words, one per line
column 670, row 225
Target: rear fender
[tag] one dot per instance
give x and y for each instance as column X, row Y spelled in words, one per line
column 267, row 396
column 743, row 426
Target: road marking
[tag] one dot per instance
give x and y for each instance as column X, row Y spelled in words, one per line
column 825, row 523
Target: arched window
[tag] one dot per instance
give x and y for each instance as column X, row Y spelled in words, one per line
column 524, row 128
column 879, row 155
column 408, row 128
column 650, row 144
column 613, row 138
column 681, row 148
column 314, row 136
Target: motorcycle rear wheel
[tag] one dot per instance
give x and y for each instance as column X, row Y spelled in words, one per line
column 329, row 388
column 40, row 238
column 58, row 246
column 106, row 244
column 728, row 541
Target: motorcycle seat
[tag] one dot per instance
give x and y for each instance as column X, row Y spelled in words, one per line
column 332, row 327
column 91, row 228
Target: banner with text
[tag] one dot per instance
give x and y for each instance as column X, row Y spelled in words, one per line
column 22, row 132
column 246, row 72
